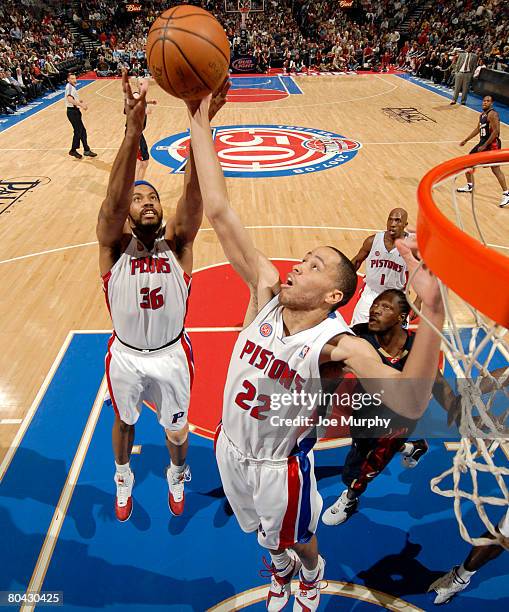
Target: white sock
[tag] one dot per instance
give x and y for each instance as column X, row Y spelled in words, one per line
column 177, row 469
column 463, row 573
column 282, row 562
column 408, row 447
column 122, row 468
column 310, row 575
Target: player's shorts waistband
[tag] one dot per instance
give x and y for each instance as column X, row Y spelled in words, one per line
column 272, row 463
column 138, row 351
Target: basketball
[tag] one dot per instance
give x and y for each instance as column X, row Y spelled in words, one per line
column 188, row 52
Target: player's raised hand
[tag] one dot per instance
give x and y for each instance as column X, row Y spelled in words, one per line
column 199, row 109
column 218, row 99
column 421, row 278
column 135, row 107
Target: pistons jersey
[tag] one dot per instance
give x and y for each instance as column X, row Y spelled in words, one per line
column 384, row 269
column 273, row 384
column 146, row 293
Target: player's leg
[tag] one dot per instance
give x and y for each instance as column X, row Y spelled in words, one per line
column 497, row 171
column 302, row 560
column 170, row 373
column 412, row 452
column 239, row 478
column 361, row 310
column 469, row 176
column 236, row 478
column 142, row 161
column 125, row 389
column 177, row 443
column 367, row 458
column 355, row 478
column 458, row 578
column 141, row 169
column 288, row 503
column 178, row 472
column 122, row 438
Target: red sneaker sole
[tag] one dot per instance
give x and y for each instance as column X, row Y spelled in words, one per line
column 123, row 520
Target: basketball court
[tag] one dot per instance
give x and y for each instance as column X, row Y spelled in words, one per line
column 309, row 160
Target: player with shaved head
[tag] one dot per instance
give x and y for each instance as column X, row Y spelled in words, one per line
column 385, row 267
column 292, row 333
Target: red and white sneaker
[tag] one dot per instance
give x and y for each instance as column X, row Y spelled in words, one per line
column 280, row 588
column 307, row 597
column 176, row 495
column 124, row 500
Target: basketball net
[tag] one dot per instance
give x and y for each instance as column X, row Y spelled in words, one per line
column 474, row 283
column 244, row 8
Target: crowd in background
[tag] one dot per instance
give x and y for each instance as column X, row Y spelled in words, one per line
column 36, row 51
column 296, row 35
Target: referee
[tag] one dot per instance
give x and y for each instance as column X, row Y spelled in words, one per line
column 73, row 105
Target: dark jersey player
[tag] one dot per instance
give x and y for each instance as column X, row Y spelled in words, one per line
column 143, row 156
column 489, row 134
column 368, row 456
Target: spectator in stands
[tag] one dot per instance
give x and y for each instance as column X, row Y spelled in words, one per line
column 103, row 67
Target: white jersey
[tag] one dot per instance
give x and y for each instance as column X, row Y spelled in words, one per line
column 265, row 368
column 147, row 293
column 384, row 269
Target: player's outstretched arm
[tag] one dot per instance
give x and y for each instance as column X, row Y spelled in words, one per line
column 189, row 214
column 236, row 242
column 470, row 136
column 363, row 252
column 407, row 392
column 115, row 207
column 269, row 285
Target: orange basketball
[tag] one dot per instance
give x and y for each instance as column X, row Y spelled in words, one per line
column 188, row 53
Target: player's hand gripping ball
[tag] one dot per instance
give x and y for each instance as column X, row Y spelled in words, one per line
column 188, row 53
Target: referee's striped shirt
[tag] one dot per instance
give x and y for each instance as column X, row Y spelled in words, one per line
column 70, row 90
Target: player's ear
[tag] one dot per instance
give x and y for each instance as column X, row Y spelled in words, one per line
column 334, row 298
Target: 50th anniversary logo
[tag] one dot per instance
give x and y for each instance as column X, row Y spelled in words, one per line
column 250, row 151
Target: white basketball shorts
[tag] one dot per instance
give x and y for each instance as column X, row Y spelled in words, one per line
column 361, row 310
column 162, row 378
column 279, row 499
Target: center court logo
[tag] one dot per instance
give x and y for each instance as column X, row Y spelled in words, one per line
column 250, row 151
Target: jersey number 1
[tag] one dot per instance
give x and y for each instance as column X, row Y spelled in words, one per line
column 382, row 279
column 151, row 299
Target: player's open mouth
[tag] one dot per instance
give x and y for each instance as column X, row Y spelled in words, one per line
column 289, row 282
column 148, row 213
